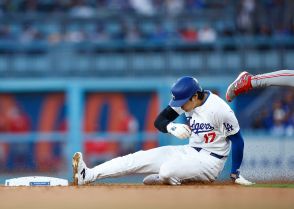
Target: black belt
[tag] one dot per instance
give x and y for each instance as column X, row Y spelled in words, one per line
column 211, row 153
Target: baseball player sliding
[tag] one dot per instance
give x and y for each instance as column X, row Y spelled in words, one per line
column 211, row 128
column 245, row 82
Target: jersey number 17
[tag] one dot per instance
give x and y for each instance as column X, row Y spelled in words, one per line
column 209, row 137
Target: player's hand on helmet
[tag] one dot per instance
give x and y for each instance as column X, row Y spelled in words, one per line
column 238, row 179
column 181, row 131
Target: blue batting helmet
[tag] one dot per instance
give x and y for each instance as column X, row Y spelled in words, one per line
column 184, row 88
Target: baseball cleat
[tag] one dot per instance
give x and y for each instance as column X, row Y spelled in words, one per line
column 152, row 179
column 240, row 85
column 79, row 169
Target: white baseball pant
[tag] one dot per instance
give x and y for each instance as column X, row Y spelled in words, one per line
column 183, row 163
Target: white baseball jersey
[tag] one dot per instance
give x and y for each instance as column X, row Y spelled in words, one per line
column 211, row 123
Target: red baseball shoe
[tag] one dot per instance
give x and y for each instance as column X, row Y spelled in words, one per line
column 241, row 85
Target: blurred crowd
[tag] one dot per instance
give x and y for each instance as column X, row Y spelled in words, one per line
column 267, row 18
column 277, row 119
column 88, row 8
column 129, row 32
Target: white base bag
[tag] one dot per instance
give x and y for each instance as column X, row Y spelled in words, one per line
column 36, row 181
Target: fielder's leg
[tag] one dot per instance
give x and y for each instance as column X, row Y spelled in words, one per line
column 245, row 82
column 277, row 78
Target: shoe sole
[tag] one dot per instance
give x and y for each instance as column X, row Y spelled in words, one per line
column 75, row 164
column 227, row 96
column 154, row 180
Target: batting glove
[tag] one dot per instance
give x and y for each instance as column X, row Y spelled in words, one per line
column 238, row 179
column 181, row 131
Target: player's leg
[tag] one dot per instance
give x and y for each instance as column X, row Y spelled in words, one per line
column 245, row 82
column 277, row 78
column 191, row 167
column 148, row 161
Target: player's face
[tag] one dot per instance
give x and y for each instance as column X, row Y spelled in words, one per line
column 190, row 105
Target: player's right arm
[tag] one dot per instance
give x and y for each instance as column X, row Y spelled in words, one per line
column 164, row 123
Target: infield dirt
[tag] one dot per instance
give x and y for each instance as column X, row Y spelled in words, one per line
column 125, row 196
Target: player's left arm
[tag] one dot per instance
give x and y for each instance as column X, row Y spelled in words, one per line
column 231, row 129
column 237, row 151
column 237, row 157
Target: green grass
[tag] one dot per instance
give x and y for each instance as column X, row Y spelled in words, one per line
column 274, row 185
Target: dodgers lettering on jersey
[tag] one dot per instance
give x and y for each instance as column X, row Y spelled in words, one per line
column 199, row 127
column 210, row 124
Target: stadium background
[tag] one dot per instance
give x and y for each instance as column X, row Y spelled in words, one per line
column 92, row 76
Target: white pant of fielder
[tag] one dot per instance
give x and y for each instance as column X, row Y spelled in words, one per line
column 174, row 164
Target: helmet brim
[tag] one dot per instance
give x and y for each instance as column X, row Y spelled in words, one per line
column 179, row 102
